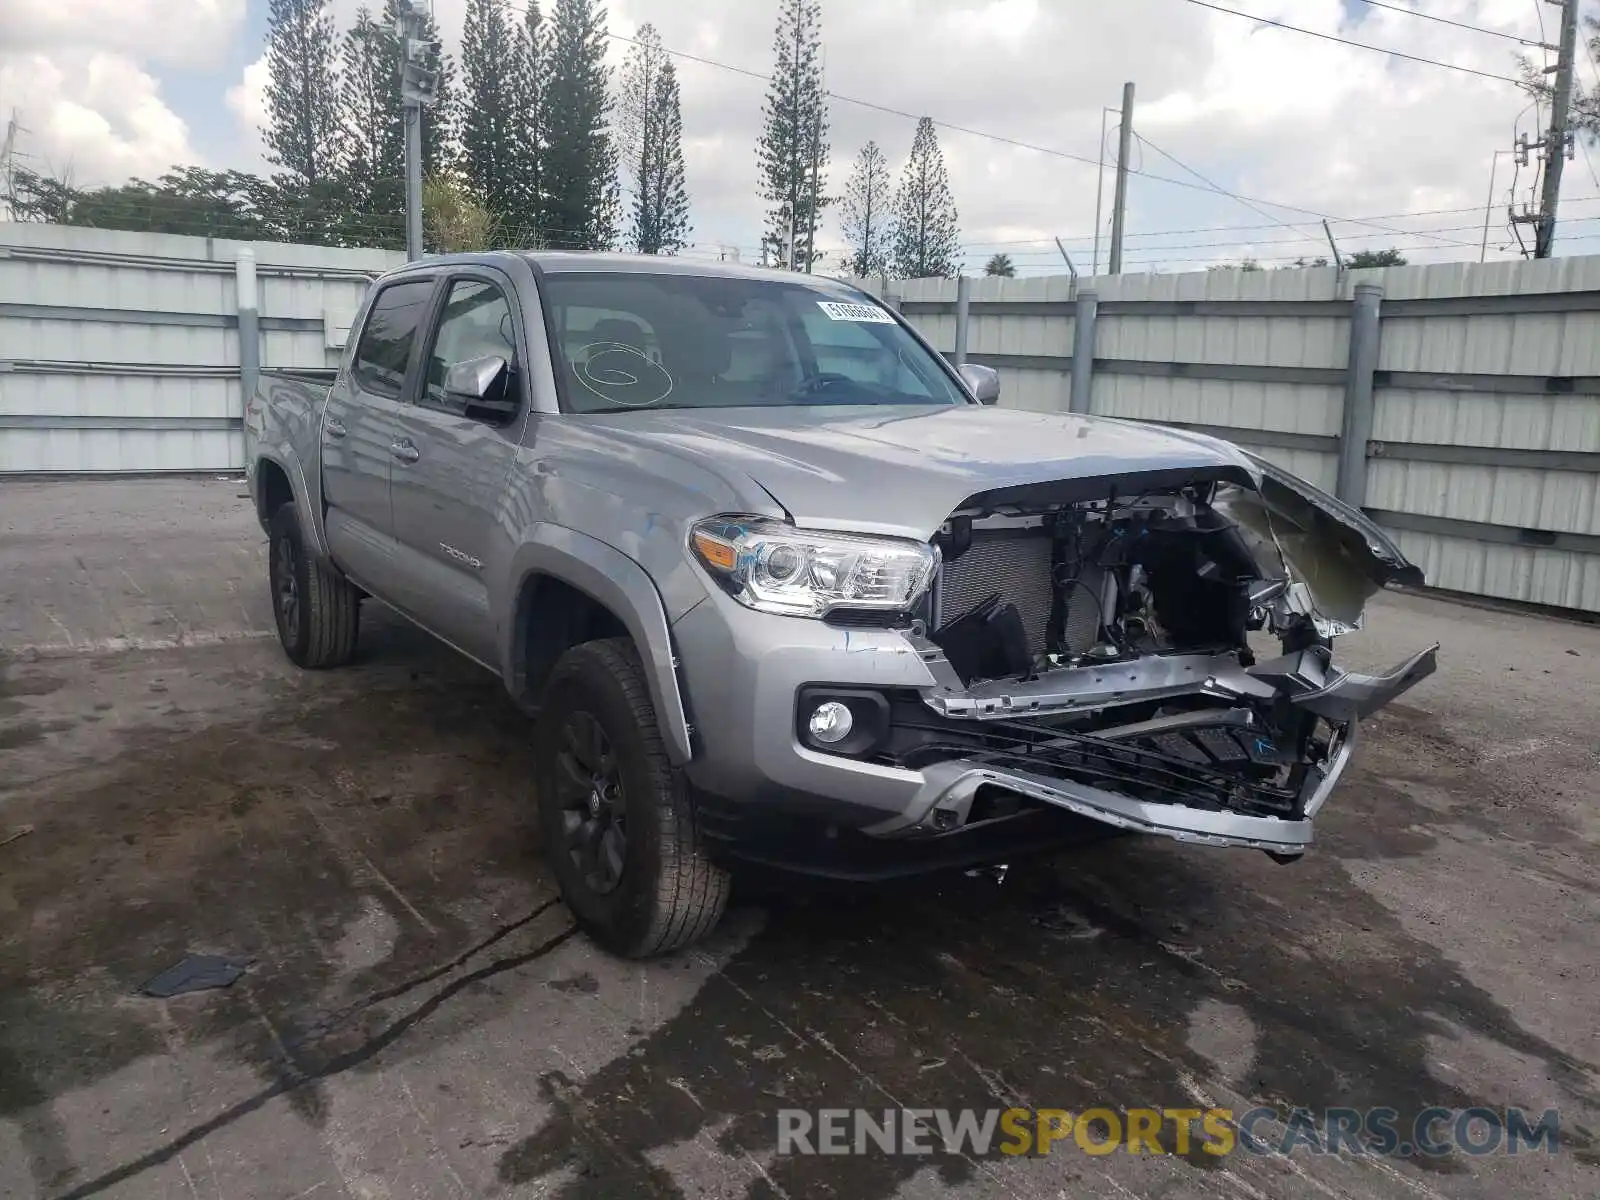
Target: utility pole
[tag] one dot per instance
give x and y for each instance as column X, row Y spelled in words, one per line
column 1119, row 205
column 816, row 189
column 1099, row 190
column 7, row 173
column 1488, row 208
column 1338, row 259
column 1558, row 142
column 419, row 88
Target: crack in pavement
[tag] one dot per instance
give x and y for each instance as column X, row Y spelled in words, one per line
column 339, row 1063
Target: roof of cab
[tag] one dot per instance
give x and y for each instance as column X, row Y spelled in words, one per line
column 564, row 262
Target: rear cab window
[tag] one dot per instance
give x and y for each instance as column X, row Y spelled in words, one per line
column 387, row 339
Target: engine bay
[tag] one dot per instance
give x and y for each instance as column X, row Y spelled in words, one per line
column 1102, row 642
column 1024, row 590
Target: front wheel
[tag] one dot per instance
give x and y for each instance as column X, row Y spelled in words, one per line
column 618, row 820
column 317, row 610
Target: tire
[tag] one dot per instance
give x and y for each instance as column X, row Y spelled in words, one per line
column 618, row 821
column 317, row 611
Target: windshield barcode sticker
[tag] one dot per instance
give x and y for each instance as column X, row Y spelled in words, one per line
column 855, row 312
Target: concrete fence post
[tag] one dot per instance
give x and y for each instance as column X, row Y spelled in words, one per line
column 963, row 313
column 1086, row 308
column 883, row 292
column 1356, row 428
column 249, row 332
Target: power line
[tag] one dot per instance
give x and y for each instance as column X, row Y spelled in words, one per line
column 1011, row 141
column 1085, row 160
column 1294, row 241
column 1421, row 212
column 1243, row 200
column 1328, row 37
column 1412, row 12
column 1216, row 187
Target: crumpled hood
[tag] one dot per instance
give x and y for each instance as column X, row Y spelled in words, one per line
column 903, row 470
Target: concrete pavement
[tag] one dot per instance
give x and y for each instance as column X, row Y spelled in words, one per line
column 421, row 1020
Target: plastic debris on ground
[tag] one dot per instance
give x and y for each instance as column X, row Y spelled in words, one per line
column 196, row 973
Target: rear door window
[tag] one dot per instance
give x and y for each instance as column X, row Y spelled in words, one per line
column 389, row 334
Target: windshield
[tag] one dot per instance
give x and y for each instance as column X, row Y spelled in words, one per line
column 655, row 340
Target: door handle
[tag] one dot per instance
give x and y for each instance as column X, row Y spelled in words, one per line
column 405, row 452
column 335, row 427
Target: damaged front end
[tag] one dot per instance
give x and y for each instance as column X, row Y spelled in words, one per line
column 1153, row 652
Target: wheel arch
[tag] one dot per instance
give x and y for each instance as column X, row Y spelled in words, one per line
column 568, row 587
column 277, row 477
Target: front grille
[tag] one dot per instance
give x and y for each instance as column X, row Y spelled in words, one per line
column 1014, row 563
column 1224, row 768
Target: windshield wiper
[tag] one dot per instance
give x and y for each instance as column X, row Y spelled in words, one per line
column 819, row 381
column 616, row 408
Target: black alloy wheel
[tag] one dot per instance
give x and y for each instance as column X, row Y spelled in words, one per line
column 593, row 810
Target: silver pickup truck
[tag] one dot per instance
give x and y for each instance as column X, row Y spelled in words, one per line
column 779, row 584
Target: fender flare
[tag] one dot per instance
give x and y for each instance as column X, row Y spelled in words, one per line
column 611, row 578
column 285, row 459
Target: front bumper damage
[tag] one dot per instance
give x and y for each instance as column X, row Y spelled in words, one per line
column 1215, row 773
column 1177, row 728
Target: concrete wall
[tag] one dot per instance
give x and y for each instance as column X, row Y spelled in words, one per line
column 1482, row 410
column 120, row 351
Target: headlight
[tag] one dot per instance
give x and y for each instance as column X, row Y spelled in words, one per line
column 780, row 569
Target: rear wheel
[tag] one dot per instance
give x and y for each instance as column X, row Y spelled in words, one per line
column 317, row 610
column 618, row 820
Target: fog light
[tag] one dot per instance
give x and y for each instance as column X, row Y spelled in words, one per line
column 831, row 722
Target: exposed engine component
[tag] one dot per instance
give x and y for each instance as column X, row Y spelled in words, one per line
column 1020, row 592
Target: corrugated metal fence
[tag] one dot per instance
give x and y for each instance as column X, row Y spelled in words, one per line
column 120, row 351
column 1458, row 404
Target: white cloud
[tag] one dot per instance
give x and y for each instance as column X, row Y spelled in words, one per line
column 1266, row 112
column 188, row 33
column 247, row 100
column 92, row 116
column 78, row 73
column 1271, row 113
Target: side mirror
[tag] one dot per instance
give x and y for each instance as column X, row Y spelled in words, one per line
column 982, row 382
column 472, row 382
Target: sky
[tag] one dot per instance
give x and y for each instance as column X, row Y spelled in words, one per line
column 1296, row 128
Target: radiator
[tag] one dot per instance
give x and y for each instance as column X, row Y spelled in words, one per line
column 1016, row 564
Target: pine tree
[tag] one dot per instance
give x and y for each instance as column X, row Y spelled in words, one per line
column 669, row 196
column 650, row 140
column 489, row 125
column 527, row 85
column 302, row 129
column 372, row 136
column 866, row 214
column 926, row 239
column 580, row 163
column 794, row 140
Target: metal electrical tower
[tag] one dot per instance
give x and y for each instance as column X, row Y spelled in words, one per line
column 1558, row 143
column 419, row 88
